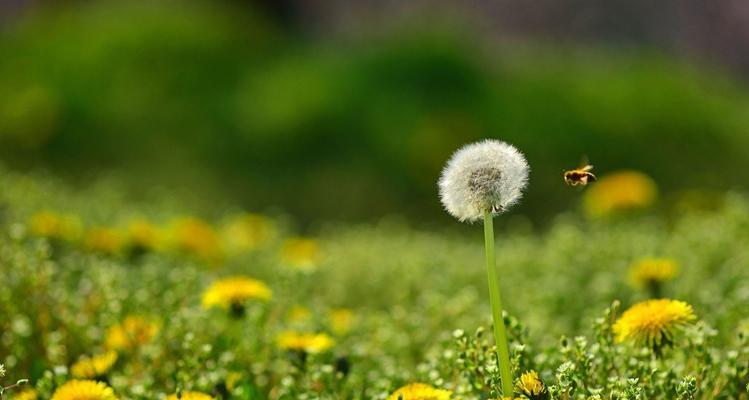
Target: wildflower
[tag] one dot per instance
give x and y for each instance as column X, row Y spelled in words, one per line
column 299, row 314
column 744, row 327
column 620, row 192
column 84, row 390
column 26, row 394
column 341, row 320
column 479, row 181
column 190, row 396
column 301, row 253
column 198, row 238
column 307, row 342
column 531, row 386
column 234, row 292
column 652, row 272
column 653, row 269
column 133, row 332
column 420, row 391
column 143, row 236
column 653, row 322
column 484, row 176
column 247, row 232
column 233, row 378
column 94, row 367
column 104, row 240
column 52, row 225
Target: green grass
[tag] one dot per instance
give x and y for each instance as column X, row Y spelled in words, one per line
column 418, row 298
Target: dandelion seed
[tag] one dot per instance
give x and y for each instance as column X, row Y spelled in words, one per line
column 84, row 390
column 420, row 391
column 94, row 367
column 653, row 322
column 488, row 175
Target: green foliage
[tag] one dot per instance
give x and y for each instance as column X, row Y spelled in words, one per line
column 415, row 296
column 111, row 85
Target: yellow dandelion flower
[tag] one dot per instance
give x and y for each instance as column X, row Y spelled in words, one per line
column 198, row 238
column 133, row 332
column 299, row 314
column 26, row 394
column 341, row 320
column 744, row 327
column 143, row 235
column 84, row 390
column 52, row 225
column 531, row 386
column 301, row 253
column 235, row 291
column 92, row 367
column 653, row 322
column 246, row 232
column 308, row 342
column 652, row 270
column 190, row 396
column 104, row 240
column 620, row 192
column 420, row 391
column 232, row 379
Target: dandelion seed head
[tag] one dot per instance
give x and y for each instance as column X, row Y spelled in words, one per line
column 487, row 175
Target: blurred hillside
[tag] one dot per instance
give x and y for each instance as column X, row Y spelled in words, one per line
column 226, row 101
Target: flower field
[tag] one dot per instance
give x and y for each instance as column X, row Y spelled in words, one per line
column 107, row 298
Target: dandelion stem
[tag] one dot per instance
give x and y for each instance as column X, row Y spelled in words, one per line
column 500, row 334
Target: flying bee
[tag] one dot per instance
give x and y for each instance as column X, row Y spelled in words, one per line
column 579, row 176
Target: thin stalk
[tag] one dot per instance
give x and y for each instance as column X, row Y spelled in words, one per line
column 500, row 334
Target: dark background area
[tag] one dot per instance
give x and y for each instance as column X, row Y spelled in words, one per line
column 342, row 110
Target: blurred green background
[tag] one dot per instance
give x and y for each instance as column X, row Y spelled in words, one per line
column 259, row 103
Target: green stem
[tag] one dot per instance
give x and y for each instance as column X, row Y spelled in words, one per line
column 500, row 335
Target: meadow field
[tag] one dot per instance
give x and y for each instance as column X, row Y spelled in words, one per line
column 151, row 301
column 374, row 200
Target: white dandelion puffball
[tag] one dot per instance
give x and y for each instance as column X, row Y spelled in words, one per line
column 485, row 176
